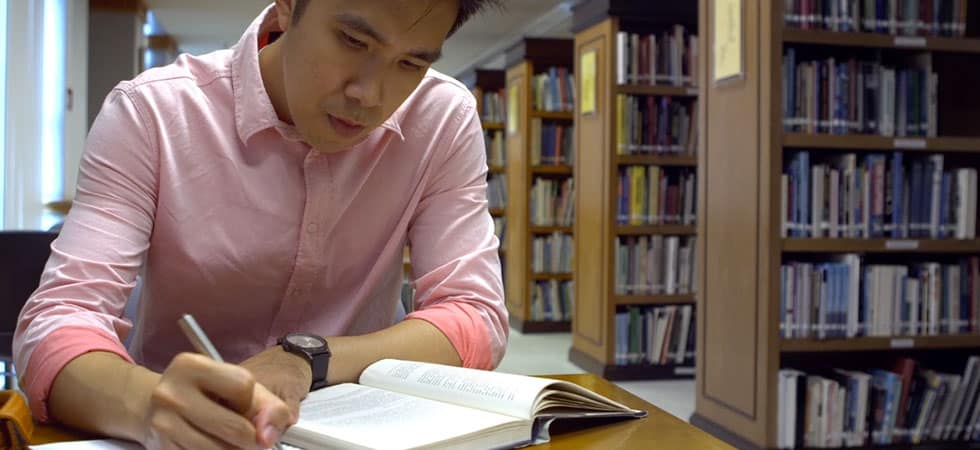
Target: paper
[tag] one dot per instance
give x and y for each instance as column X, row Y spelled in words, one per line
column 106, row 444
column 512, row 109
column 727, row 51
column 588, row 82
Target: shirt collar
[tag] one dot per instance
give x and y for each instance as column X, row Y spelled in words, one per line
column 253, row 108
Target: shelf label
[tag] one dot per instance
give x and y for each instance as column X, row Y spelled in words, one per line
column 692, row 91
column 683, row 371
column 902, row 343
column 910, row 41
column 901, row 245
column 915, row 144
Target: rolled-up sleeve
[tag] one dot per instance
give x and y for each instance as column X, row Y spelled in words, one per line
column 79, row 303
column 455, row 264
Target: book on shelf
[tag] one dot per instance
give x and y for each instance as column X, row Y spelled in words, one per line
column 878, row 196
column 497, row 191
column 849, row 96
column 903, row 17
column 496, row 152
column 666, row 58
column 552, row 300
column 847, row 298
column 654, row 195
column 493, row 108
column 552, row 143
column 554, row 90
column 651, row 125
column 552, row 254
column 407, row 405
column 906, row 404
column 500, row 228
column 654, row 265
column 656, row 335
column 552, row 202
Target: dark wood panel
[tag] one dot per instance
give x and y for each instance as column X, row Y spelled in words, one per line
column 881, row 246
column 633, row 371
column 879, row 343
column 880, row 40
column 639, row 230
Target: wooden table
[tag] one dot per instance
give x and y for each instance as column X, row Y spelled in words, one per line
column 658, row 430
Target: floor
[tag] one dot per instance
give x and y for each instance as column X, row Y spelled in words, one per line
column 547, row 353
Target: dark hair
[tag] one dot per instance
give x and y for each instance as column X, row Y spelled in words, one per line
column 467, row 9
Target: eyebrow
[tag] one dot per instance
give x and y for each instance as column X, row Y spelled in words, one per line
column 361, row 26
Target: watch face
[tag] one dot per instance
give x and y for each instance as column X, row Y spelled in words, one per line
column 306, row 342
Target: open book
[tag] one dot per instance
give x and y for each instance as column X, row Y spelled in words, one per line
column 409, row 405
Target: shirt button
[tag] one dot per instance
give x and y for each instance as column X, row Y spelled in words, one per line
column 312, row 228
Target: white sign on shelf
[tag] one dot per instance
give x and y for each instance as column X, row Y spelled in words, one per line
column 683, row 371
column 910, row 41
column 914, row 144
column 901, row 244
column 902, row 343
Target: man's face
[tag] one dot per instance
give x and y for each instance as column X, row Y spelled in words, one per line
column 349, row 64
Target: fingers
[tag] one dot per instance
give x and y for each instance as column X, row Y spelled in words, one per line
column 271, row 416
column 174, row 432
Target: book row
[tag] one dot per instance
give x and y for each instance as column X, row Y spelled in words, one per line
column 499, row 229
column 493, row 108
column 908, row 404
column 658, row 335
column 655, row 125
column 848, row 298
column 654, row 195
column 670, row 57
column 877, row 196
column 554, row 253
column 551, row 144
column 497, row 191
column 552, row 202
column 496, row 151
column 552, row 301
column 902, row 17
column 653, row 265
column 553, row 90
column 840, row 97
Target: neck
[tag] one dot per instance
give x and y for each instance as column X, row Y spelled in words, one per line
column 270, row 66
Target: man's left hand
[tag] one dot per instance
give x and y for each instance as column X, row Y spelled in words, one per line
column 287, row 375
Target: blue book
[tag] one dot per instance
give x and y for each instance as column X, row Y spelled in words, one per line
column 915, row 204
column 804, row 203
column 891, row 385
column 945, row 198
column 866, row 300
column 898, row 181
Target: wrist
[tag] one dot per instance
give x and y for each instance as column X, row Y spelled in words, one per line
column 298, row 364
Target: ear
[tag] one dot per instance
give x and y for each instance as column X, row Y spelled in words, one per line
column 284, row 13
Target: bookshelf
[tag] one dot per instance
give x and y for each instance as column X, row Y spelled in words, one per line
column 602, row 300
column 747, row 150
column 531, row 310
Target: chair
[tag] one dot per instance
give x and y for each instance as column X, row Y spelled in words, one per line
column 23, row 255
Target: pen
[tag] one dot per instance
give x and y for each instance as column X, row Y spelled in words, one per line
column 202, row 344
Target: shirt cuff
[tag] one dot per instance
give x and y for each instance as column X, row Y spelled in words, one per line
column 54, row 352
column 466, row 330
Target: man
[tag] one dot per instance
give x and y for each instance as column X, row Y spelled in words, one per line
column 269, row 189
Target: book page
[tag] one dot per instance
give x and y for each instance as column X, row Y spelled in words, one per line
column 513, row 395
column 350, row 415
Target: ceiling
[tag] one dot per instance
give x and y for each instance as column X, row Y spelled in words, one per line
column 201, row 26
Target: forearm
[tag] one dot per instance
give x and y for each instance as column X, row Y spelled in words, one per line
column 101, row 393
column 412, row 339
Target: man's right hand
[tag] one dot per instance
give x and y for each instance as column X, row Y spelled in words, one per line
column 203, row 404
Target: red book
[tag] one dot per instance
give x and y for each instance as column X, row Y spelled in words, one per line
column 905, row 368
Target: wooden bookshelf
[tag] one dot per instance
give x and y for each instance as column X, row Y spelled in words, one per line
column 495, row 126
column 525, row 60
column 740, row 248
column 495, row 170
column 498, row 211
column 597, row 178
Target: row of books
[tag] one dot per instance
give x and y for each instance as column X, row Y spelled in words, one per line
column 908, row 404
column 553, row 90
column 551, row 143
column 850, row 96
column 497, row 191
column 496, row 152
column 847, row 298
column 879, row 196
column 499, row 229
column 902, row 17
column 554, row 253
column 552, row 300
column 553, row 202
column 655, row 125
column 653, row 265
column 654, row 195
column 669, row 57
column 493, row 109
column 658, row 335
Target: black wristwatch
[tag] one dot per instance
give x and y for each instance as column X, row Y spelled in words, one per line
column 315, row 350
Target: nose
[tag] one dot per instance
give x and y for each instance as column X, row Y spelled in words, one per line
column 365, row 86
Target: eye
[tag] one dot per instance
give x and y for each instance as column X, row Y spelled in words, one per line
column 409, row 65
column 352, row 41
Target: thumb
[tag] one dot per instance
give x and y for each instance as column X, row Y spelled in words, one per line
column 270, row 415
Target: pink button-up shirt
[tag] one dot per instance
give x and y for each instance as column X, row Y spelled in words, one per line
column 190, row 180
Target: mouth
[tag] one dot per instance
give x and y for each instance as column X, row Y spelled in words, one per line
column 344, row 127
